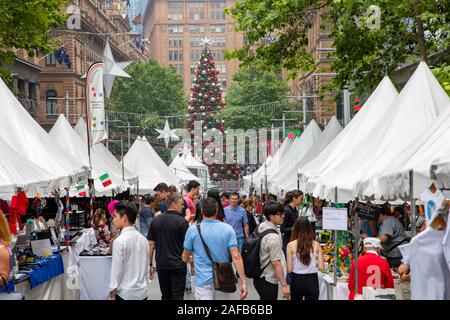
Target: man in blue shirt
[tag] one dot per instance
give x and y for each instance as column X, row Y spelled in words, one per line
column 236, row 217
column 146, row 216
column 221, row 241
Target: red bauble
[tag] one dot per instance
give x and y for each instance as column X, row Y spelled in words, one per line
column 209, row 107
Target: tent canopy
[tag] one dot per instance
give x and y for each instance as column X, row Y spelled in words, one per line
column 294, row 156
column 17, row 172
column 143, row 161
column 31, row 141
column 415, row 109
column 348, row 141
column 182, row 172
column 288, row 181
column 64, row 135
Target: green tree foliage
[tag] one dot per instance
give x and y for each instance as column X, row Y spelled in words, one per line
column 254, row 86
column 442, row 73
column 410, row 30
column 152, row 90
column 26, row 25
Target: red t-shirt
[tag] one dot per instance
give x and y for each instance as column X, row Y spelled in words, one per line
column 190, row 203
column 373, row 271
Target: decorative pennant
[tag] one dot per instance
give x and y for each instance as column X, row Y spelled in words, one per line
column 105, row 179
column 81, row 189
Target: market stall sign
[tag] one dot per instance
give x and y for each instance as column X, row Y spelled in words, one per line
column 367, row 211
column 334, row 219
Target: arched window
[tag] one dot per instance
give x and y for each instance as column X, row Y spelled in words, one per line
column 50, row 102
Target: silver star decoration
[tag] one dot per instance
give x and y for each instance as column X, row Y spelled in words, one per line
column 167, row 134
column 206, row 42
column 112, row 69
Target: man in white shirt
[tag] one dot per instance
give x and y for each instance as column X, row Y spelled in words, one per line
column 130, row 257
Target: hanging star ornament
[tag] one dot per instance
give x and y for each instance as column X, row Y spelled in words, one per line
column 167, row 134
column 112, row 69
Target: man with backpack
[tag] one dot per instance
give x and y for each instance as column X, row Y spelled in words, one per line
column 210, row 242
column 264, row 260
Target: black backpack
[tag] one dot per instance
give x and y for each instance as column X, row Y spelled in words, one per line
column 250, row 254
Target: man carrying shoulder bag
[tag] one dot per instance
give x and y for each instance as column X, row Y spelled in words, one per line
column 212, row 243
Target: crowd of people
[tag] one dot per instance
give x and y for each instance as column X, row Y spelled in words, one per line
column 179, row 238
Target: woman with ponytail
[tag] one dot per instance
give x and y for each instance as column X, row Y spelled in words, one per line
column 304, row 259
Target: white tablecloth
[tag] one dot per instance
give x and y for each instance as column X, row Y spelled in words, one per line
column 330, row 292
column 95, row 274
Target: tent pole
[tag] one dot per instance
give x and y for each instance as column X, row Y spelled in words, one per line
column 298, row 181
column 413, row 203
column 335, row 236
column 356, row 251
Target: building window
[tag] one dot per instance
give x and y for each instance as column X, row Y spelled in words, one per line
column 196, row 54
column 175, row 5
column 217, row 15
column 197, row 28
column 196, row 4
column 175, row 42
column 178, row 68
column 218, row 28
column 217, row 55
column 222, row 68
column 196, row 15
column 50, row 60
column 175, row 55
column 195, row 42
column 51, row 103
column 218, row 4
column 219, row 42
column 174, row 16
column 175, row 28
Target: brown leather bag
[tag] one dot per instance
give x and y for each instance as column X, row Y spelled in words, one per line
column 224, row 278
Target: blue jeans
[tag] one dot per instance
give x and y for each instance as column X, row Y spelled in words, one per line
column 188, row 277
column 240, row 242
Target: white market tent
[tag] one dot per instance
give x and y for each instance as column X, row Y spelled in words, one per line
column 200, row 169
column 250, row 180
column 23, row 134
column 278, row 157
column 143, row 161
column 294, row 156
column 415, row 109
column 182, row 172
column 288, row 181
column 65, row 136
column 427, row 149
column 105, row 156
column 17, row 172
column 347, row 142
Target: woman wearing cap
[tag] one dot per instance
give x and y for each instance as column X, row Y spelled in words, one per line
column 373, row 270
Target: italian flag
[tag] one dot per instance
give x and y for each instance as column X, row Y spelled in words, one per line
column 81, row 190
column 105, row 179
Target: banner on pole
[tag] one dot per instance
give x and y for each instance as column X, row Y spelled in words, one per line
column 95, row 103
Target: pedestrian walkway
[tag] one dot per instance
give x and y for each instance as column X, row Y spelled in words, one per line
column 155, row 294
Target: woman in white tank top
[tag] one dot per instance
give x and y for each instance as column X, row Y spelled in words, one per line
column 304, row 260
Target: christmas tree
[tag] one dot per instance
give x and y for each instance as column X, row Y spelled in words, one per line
column 206, row 99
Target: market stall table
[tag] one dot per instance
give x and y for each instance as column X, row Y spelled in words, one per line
column 47, row 281
column 95, row 275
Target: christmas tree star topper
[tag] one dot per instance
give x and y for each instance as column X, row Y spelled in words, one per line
column 167, row 133
column 206, row 42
